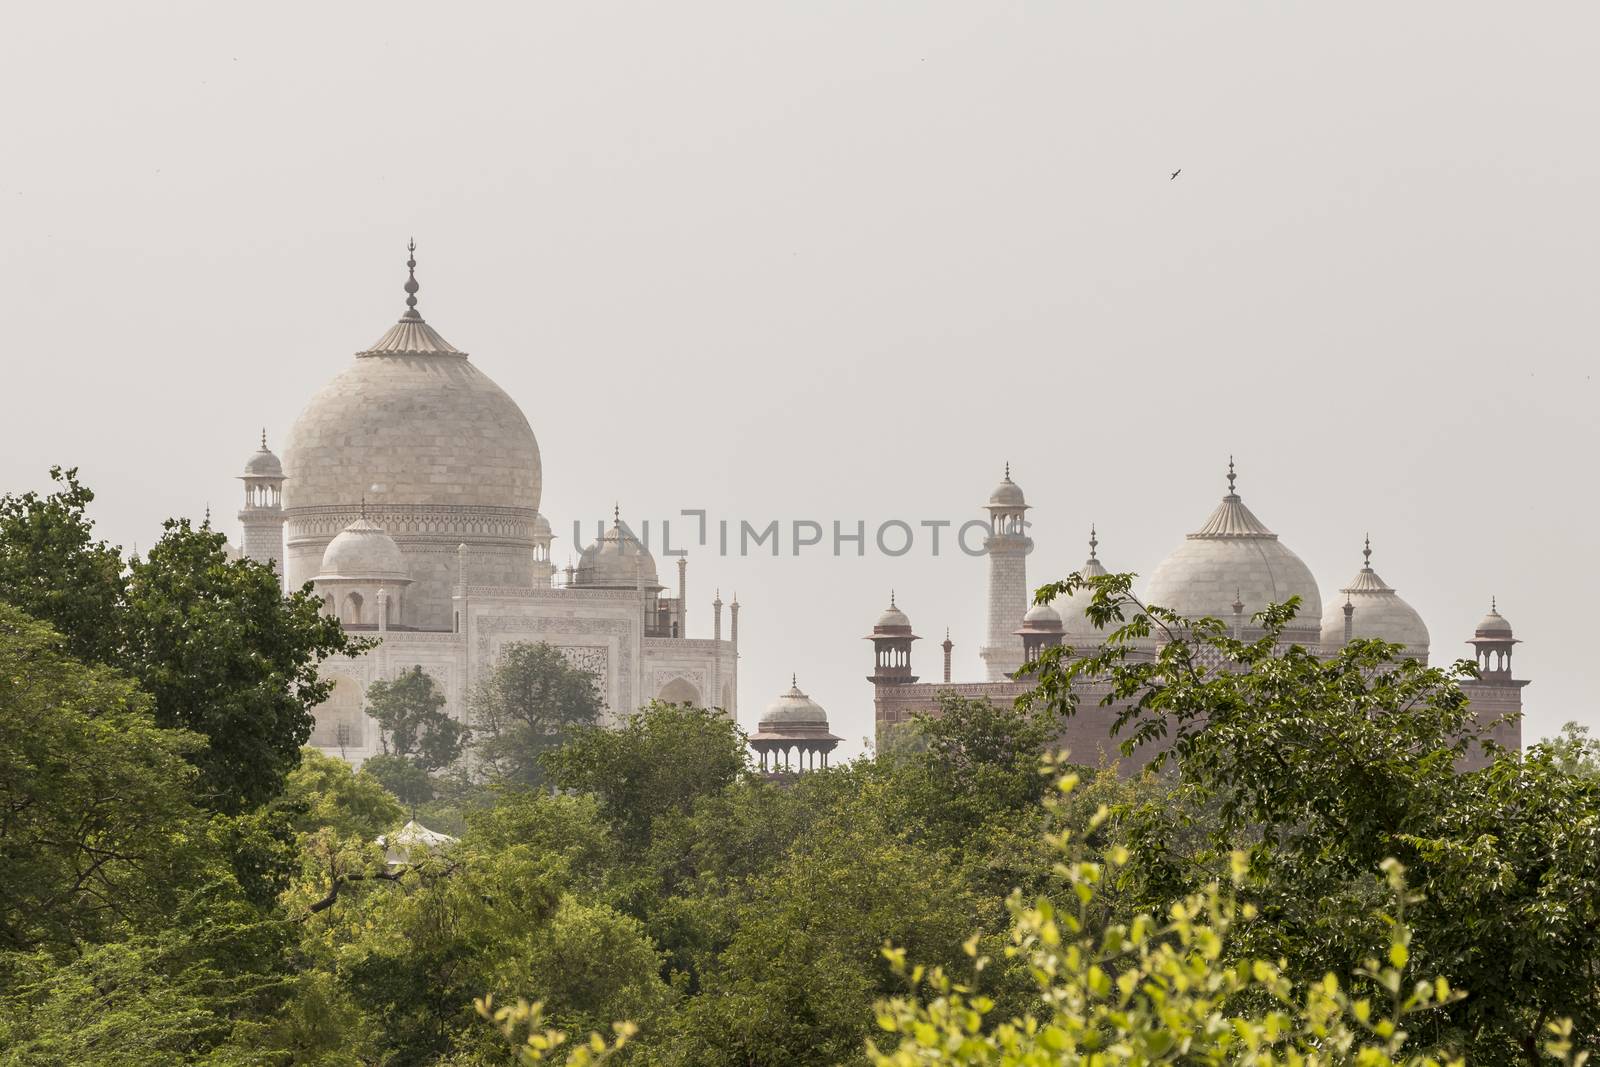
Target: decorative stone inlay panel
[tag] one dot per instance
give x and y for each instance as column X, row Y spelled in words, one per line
column 593, row 660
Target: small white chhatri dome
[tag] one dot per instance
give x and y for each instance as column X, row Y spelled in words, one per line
column 365, row 551
column 1377, row 612
column 1042, row 616
column 262, row 462
column 1008, row 494
column 616, row 561
column 1234, row 557
column 793, row 734
column 1493, row 624
column 794, row 708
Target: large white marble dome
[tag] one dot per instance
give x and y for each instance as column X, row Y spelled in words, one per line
column 440, row 454
column 412, row 422
column 1235, row 557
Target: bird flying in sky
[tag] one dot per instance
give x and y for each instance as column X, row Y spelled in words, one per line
column 1176, row 173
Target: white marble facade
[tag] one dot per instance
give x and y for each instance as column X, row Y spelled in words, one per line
column 409, row 496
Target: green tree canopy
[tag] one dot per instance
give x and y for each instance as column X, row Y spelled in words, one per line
column 53, row 568
column 409, row 710
column 971, row 764
column 528, row 705
column 99, row 830
column 227, row 655
column 660, row 760
column 324, row 793
column 1324, row 767
column 216, row 643
column 410, row 784
column 1575, row 750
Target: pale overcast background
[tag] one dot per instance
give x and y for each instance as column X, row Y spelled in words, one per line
column 843, row 261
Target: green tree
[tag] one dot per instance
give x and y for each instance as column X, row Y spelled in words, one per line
column 226, row 655
column 1160, row 990
column 660, row 760
column 527, row 706
column 1322, row 769
column 410, row 713
column 590, row 966
column 410, row 947
column 324, row 793
column 804, row 947
column 403, row 777
column 973, row 764
column 1575, row 751
column 153, row 1000
column 99, row 832
column 52, row 567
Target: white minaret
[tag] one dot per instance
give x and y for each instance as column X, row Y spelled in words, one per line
column 1007, row 545
column 262, row 514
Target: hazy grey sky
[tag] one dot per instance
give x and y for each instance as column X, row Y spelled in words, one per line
column 842, row 261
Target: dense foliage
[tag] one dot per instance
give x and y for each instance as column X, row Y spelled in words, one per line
column 182, row 884
column 525, row 708
column 215, row 643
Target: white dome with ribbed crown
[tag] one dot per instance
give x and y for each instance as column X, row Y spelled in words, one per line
column 414, row 417
column 1377, row 613
column 434, row 449
column 1235, row 557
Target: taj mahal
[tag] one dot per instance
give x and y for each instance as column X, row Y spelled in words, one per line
column 408, row 495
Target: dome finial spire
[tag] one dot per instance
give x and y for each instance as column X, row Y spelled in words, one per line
column 263, row 438
column 1493, row 606
column 891, row 598
column 1008, row 470
column 411, row 280
column 1231, row 476
column 1366, row 554
column 1094, row 542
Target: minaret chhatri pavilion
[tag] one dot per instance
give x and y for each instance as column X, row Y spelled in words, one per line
column 262, row 514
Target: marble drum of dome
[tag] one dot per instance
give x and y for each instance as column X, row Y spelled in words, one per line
column 435, row 451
